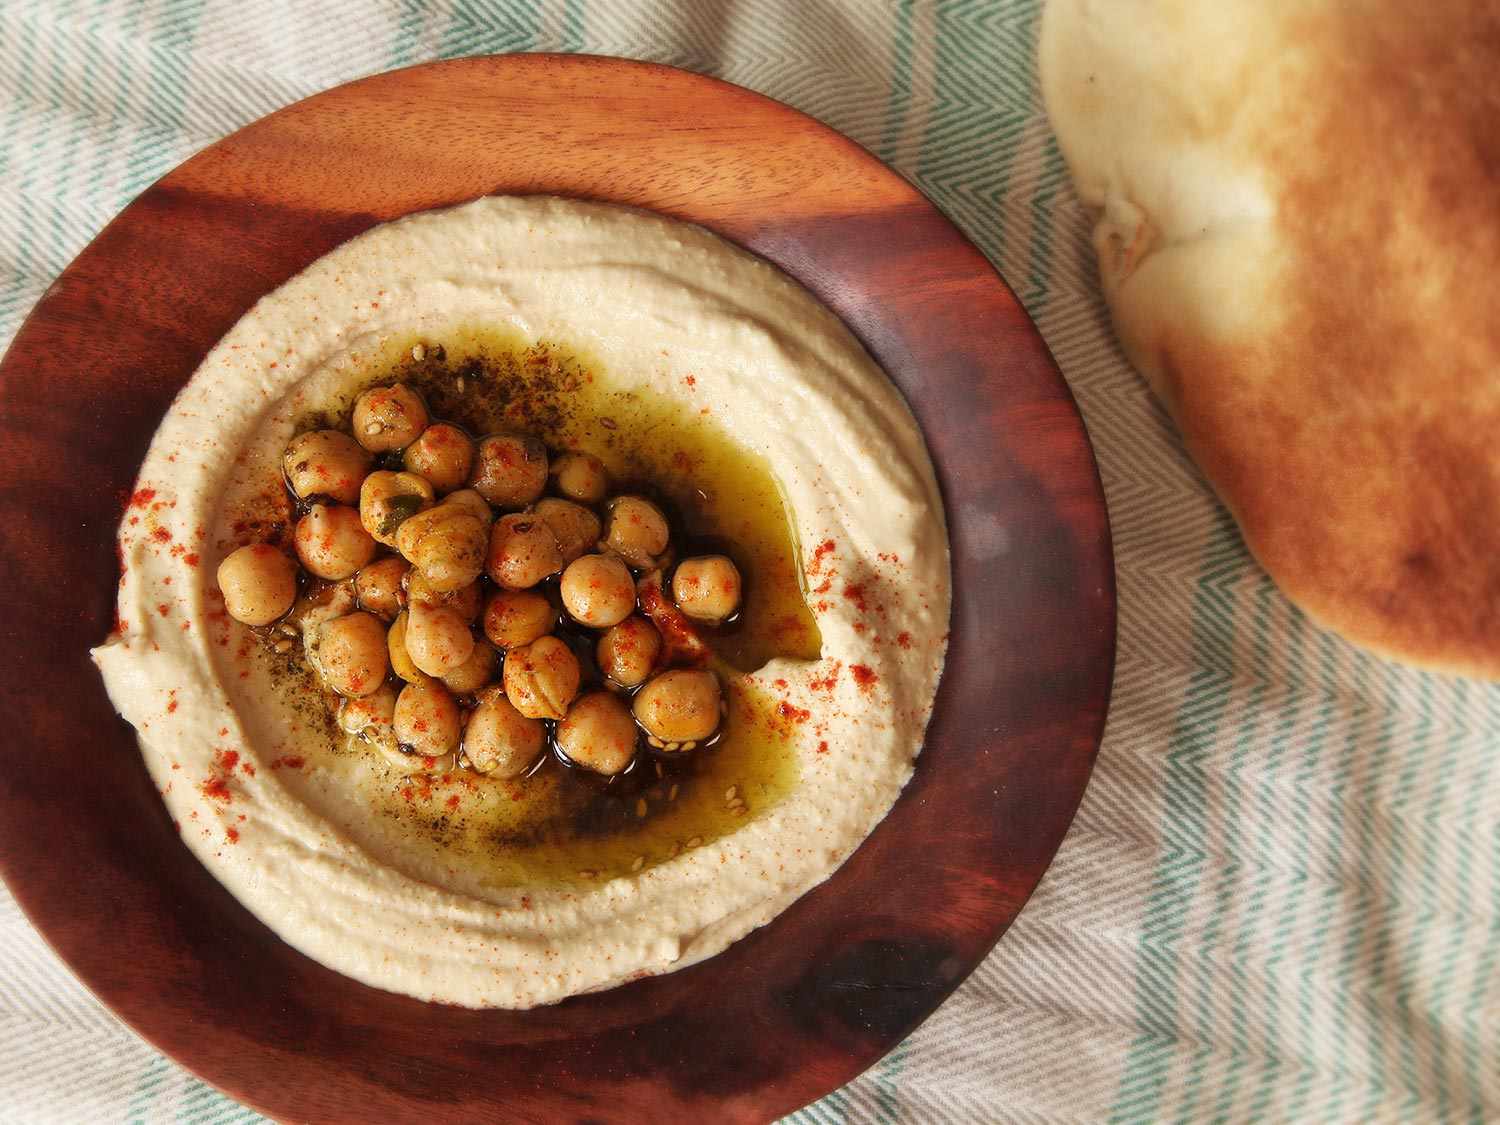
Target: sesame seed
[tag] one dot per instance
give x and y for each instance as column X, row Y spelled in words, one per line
column 640, row 862
column 731, row 793
column 283, row 646
column 418, row 352
column 672, row 792
column 695, row 842
column 459, row 385
column 640, row 808
column 373, row 428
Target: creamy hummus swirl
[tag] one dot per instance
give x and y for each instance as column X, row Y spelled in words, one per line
column 654, row 301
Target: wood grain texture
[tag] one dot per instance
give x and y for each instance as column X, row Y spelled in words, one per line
column 796, row 1008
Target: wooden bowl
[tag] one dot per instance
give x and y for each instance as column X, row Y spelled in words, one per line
column 793, row 1010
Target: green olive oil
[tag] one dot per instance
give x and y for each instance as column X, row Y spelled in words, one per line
column 561, row 825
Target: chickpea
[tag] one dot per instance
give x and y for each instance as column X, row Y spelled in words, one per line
column 475, row 672
column 401, row 661
column 598, row 733
column 522, row 552
column 369, row 719
column 627, row 652
column 707, row 588
column 331, row 542
column 446, row 544
column 378, row 586
column 467, row 600
column 387, row 418
column 467, row 500
column 510, row 470
column 325, row 463
column 319, row 602
column 577, row 529
column 679, row 708
column 437, row 638
column 387, row 500
column 581, row 477
column 443, row 455
column 598, row 591
column 499, row 740
column 259, row 584
column 636, row 530
column 679, row 636
column 517, row 617
column 410, row 762
column 427, row 719
column 369, row 716
column 351, row 654
column 541, row 678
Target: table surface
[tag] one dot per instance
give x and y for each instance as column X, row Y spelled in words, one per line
column 1281, row 898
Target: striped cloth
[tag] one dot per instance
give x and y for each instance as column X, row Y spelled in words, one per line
column 1281, row 898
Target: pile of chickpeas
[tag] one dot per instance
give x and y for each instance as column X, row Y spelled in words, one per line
column 448, row 653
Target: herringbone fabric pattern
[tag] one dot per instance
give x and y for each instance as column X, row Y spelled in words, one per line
column 1281, row 899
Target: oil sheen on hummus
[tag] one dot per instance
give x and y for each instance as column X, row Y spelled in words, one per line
column 670, row 355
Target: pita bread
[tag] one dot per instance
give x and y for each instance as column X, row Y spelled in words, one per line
column 1299, row 241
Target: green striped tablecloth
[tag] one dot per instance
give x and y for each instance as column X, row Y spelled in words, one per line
column 1281, row 899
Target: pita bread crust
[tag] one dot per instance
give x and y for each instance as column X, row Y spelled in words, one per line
column 1299, row 240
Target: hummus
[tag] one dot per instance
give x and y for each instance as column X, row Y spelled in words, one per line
column 456, row 888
